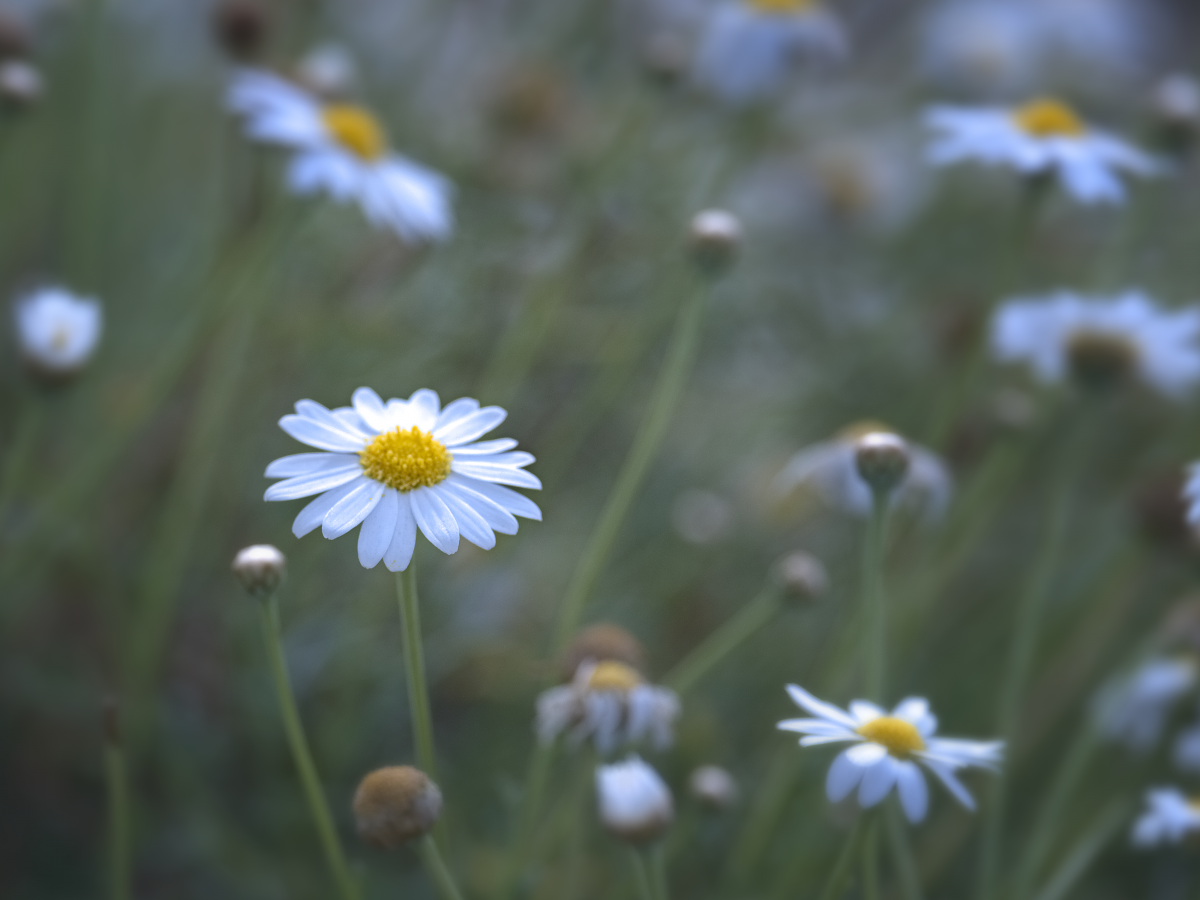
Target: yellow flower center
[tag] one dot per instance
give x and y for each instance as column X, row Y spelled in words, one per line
column 613, row 676
column 782, row 6
column 406, row 460
column 900, row 737
column 1049, row 118
column 355, row 129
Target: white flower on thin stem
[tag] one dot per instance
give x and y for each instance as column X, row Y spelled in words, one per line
column 400, row 466
column 610, row 703
column 341, row 150
column 831, row 469
column 749, row 48
column 887, row 748
column 57, row 331
column 1170, row 818
column 1133, row 710
column 1044, row 137
column 1100, row 340
column 635, row 803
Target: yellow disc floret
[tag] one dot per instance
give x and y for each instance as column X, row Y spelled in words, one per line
column 613, row 676
column 782, row 6
column 355, row 129
column 406, row 460
column 1049, row 118
column 900, row 737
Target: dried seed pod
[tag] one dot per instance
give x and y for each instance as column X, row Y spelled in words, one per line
column 260, row 568
column 395, row 805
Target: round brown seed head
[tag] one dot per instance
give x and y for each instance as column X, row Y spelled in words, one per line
column 882, row 460
column 603, row 642
column 715, row 237
column 802, row 577
column 14, row 36
column 241, row 27
column 260, row 568
column 395, row 805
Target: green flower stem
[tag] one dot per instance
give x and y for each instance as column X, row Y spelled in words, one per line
column 536, row 778
column 658, row 872
column 117, row 776
column 745, row 623
column 1085, row 850
column 870, row 859
column 841, row 869
column 19, row 451
column 317, row 807
column 902, row 855
column 682, row 351
column 874, row 645
column 414, row 661
column 436, row 867
column 641, row 874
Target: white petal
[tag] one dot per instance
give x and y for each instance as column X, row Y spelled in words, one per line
column 843, row 777
column 877, row 781
column 517, row 504
column 485, row 448
column 311, row 409
column 423, row 409
column 368, row 404
column 321, row 436
column 813, row 741
column 316, row 483
column 470, row 427
column 826, row 711
column 471, row 524
column 946, row 775
column 914, row 792
column 375, row 536
column 497, row 518
column 307, row 463
column 865, row 712
column 313, row 514
column 404, row 538
column 434, row 519
column 912, row 709
column 463, row 406
column 496, row 474
column 867, row 754
column 816, row 726
column 515, row 460
column 353, row 508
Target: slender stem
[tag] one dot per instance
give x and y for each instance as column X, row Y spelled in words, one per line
column 118, row 819
column 870, row 860
column 641, row 874
column 841, row 868
column 658, row 872
column 414, row 661
column 874, row 647
column 309, row 781
column 732, row 634
column 436, row 867
column 906, row 866
column 1085, row 850
column 671, row 380
column 20, row 450
column 536, row 778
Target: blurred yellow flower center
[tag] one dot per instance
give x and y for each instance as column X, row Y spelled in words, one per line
column 1049, row 118
column 782, row 6
column 613, row 676
column 355, row 129
column 900, row 737
column 406, row 460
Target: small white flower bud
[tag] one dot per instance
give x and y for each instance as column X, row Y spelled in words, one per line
column 395, row 805
column 716, row 236
column 882, row 460
column 714, row 787
column 1177, row 99
column 57, row 331
column 328, row 70
column 803, row 577
column 635, row 803
column 260, row 568
column 21, row 84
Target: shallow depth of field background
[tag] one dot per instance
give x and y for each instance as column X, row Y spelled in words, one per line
column 863, row 282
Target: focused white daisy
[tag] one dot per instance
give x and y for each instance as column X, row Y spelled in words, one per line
column 611, row 704
column 1100, row 340
column 887, row 748
column 341, row 149
column 1043, row 137
column 1133, row 710
column 830, row 468
column 635, row 803
column 749, row 48
column 400, row 466
column 57, row 331
column 1170, row 817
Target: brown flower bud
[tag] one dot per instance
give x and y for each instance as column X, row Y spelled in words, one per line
column 600, row 643
column 241, row 27
column 395, row 805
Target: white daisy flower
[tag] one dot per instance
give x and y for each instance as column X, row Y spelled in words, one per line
column 610, row 703
column 1043, row 137
column 57, row 331
column 341, row 150
column 635, row 803
column 887, row 748
column 402, row 466
column 1170, row 818
column 831, row 469
column 1133, row 710
column 748, row 48
column 1101, row 339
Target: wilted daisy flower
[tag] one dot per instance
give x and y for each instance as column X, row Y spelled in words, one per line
column 1043, row 137
column 57, row 330
column 1133, row 710
column 610, row 703
column 635, row 803
column 749, row 48
column 887, row 748
column 400, row 466
column 341, row 149
column 1101, row 340
column 830, row 467
column 1170, row 817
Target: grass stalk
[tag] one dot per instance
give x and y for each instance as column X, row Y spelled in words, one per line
column 436, row 867
column 414, row 664
column 117, row 777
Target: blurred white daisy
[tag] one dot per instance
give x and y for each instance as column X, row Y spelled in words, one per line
column 402, row 466
column 1169, row 818
column 1043, row 137
column 887, row 748
column 1186, row 751
column 1133, row 710
column 635, row 803
column 749, row 48
column 341, row 149
column 57, row 331
column 1101, row 339
column 830, row 468
column 610, row 703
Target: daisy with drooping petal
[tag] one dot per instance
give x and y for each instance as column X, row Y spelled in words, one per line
column 400, row 466
column 341, row 150
column 1101, row 340
column 1134, row 709
column 887, row 748
column 57, row 330
column 1170, row 818
column 1044, row 137
column 749, row 47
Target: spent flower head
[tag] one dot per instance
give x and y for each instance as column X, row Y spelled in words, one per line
column 395, row 805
